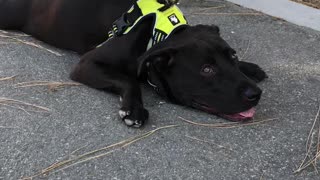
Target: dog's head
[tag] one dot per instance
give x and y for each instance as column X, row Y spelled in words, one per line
column 196, row 67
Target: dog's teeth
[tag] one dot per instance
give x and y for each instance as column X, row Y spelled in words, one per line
column 120, row 99
column 128, row 122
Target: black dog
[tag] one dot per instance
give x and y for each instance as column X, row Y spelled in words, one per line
column 193, row 67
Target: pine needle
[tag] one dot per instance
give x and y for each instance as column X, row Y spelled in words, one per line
column 62, row 165
column 53, row 86
column 313, row 160
column 229, row 14
column 31, row 44
column 8, row 78
column 228, row 125
column 20, row 104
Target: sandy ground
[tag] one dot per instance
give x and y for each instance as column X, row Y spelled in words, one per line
column 311, row 3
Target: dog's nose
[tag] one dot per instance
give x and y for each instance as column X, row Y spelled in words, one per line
column 252, row 94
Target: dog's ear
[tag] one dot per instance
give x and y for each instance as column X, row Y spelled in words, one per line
column 162, row 61
column 160, row 57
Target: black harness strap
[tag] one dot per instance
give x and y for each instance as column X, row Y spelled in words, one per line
column 126, row 20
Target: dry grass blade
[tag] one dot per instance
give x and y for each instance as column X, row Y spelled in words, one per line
column 8, row 78
column 210, row 8
column 17, row 104
column 59, row 166
column 31, row 44
column 230, row 14
column 6, row 43
column 312, row 161
column 53, row 86
column 202, row 10
column 243, row 56
column 14, row 107
column 86, row 160
column 228, row 125
column 213, row 7
column 75, row 151
column 318, row 146
column 14, row 34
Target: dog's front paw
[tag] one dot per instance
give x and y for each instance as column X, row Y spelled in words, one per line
column 133, row 117
column 252, row 71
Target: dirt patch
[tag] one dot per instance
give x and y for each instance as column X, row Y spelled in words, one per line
column 311, row 3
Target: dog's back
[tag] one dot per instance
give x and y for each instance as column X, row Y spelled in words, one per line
column 77, row 25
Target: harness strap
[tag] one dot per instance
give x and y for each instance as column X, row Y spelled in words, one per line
column 167, row 18
column 126, row 20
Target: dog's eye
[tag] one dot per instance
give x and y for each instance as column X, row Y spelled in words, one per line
column 208, row 70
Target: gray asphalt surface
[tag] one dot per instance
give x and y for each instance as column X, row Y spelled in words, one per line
column 83, row 119
column 286, row 9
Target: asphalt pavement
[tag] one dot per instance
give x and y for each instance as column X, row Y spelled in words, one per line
column 79, row 119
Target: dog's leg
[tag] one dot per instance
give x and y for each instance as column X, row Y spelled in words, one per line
column 110, row 78
column 113, row 67
column 252, row 71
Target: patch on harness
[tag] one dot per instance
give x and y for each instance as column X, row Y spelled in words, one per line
column 174, row 19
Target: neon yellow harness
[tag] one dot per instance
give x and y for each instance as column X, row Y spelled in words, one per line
column 166, row 20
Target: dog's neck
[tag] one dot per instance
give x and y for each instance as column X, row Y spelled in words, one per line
column 154, row 78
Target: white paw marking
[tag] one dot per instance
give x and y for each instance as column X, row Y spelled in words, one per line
column 128, row 122
column 137, row 124
column 123, row 114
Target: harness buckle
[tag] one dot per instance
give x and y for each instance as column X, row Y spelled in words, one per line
column 120, row 25
column 167, row 4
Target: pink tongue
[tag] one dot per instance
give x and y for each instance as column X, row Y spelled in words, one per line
column 249, row 113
